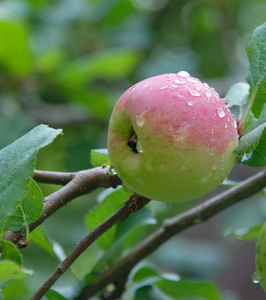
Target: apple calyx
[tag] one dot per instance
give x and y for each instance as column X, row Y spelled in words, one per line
column 132, row 143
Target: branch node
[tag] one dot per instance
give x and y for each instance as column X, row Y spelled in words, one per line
column 137, row 202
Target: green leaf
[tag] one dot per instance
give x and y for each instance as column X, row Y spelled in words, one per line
column 10, row 270
column 100, row 157
column 112, row 202
column 10, row 252
column 109, row 64
column 125, row 231
column 146, row 274
column 17, row 162
column 252, row 146
column 238, row 94
column 256, row 75
column 53, row 295
column 39, row 237
column 244, row 234
column 184, row 288
column 15, row 55
column 30, row 209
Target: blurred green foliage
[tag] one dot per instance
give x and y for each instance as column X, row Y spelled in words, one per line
column 65, row 63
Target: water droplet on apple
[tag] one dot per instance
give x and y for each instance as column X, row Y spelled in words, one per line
column 208, row 94
column 220, row 112
column 162, row 167
column 226, row 102
column 246, row 156
column 194, row 93
column 139, row 147
column 140, row 181
column 226, row 125
column 183, row 74
column 149, row 167
column 235, row 122
column 255, row 278
column 132, row 88
column 206, row 178
column 163, row 88
column 113, row 170
column 192, row 79
column 206, row 85
column 175, row 86
column 127, row 187
column 140, row 120
column 180, row 81
column 198, row 88
column 190, row 103
column 182, row 132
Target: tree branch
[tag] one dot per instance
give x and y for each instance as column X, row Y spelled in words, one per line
column 61, row 178
column 172, row 226
column 120, row 215
column 82, row 182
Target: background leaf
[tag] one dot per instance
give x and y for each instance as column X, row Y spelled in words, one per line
column 17, row 163
column 256, row 75
column 100, row 157
column 14, row 48
column 245, row 234
column 238, row 94
column 106, row 208
column 184, row 289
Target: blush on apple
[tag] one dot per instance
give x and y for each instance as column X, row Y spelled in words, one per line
column 171, row 138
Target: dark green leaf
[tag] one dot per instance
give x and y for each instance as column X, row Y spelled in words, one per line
column 99, row 157
column 256, row 75
column 51, row 246
column 31, row 208
column 125, row 231
column 53, row 295
column 252, row 146
column 106, row 208
column 17, row 162
column 183, row 288
column 244, row 234
column 10, row 252
column 39, row 237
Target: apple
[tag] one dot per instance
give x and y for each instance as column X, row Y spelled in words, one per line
column 260, row 275
column 171, row 138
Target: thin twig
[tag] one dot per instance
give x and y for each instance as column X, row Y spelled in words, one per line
column 172, row 226
column 82, row 183
column 120, row 215
column 60, row 178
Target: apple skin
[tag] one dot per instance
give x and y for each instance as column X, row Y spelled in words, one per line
column 260, row 274
column 171, row 138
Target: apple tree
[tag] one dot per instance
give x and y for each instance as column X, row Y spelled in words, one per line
column 123, row 225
